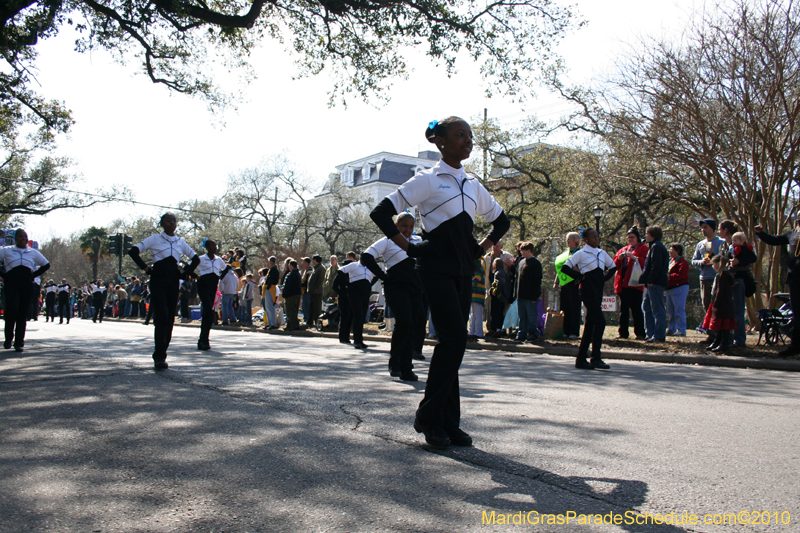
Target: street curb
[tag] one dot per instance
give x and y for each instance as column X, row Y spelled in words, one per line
column 756, row 363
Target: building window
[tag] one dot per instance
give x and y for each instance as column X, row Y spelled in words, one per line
column 348, row 176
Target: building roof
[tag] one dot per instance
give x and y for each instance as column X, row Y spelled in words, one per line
column 385, row 167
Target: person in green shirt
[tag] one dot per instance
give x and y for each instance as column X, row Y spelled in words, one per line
column 570, row 298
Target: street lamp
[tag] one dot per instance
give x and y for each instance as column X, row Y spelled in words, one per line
column 598, row 214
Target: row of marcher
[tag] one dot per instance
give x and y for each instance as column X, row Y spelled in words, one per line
column 440, row 266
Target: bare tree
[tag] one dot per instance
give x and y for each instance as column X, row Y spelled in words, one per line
column 715, row 116
column 264, row 196
column 340, row 219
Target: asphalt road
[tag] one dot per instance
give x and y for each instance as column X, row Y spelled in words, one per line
column 276, row 433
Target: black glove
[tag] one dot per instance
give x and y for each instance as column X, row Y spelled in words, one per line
column 477, row 251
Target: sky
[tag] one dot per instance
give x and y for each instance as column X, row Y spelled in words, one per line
column 168, row 147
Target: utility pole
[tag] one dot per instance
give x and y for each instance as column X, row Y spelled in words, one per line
column 485, row 177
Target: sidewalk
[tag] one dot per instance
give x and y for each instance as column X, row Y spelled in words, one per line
column 568, row 350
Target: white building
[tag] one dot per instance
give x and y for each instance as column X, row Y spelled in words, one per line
column 380, row 174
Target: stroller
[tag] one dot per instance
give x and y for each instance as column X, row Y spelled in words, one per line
column 776, row 324
column 330, row 312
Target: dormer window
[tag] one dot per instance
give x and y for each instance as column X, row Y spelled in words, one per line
column 348, row 176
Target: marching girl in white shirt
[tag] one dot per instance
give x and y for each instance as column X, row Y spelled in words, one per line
column 210, row 270
column 167, row 249
column 403, row 290
column 50, row 301
column 64, row 307
column 22, row 265
column 447, row 200
column 98, row 300
column 358, row 291
column 591, row 267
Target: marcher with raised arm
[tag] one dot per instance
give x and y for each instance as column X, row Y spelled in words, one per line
column 21, row 265
column 791, row 238
column 591, row 267
column 448, row 200
column 165, row 275
column 359, row 288
column 210, row 269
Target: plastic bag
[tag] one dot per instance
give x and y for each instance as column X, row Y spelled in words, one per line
column 636, row 273
column 511, row 321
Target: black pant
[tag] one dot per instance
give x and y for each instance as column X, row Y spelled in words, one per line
column 419, row 326
column 497, row 312
column 63, row 309
column 571, row 305
column 18, row 288
column 207, row 290
column 631, row 303
column 407, row 308
column 593, row 329
column 34, row 302
column 345, row 318
column 99, row 306
column 449, row 297
column 164, row 303
column 793, row 281
column 185, row 307
column 50, row 306
column 358, row 295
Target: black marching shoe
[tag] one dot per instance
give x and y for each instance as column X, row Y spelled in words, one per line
column 434, row 435
column 581, row 362
column 17, row 348
column 409, row 376
column 360, row 346
column 201, row 345
column 160, row 365
column 418, row 356
column 458, row 437
column 598, row 364
column 7, row 345
column 394, row 372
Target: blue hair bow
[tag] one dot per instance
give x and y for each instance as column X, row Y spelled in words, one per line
column 204, row 242
column 432, row 124
column 582, row 230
